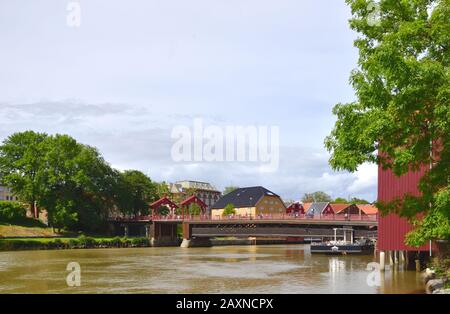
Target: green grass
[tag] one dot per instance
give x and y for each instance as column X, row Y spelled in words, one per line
column 82, row 242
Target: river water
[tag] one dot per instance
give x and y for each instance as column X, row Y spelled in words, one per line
column 232, row 269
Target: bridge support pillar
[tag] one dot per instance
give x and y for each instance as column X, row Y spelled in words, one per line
column 127, row 231
column 382, row 261
column 391, row 259
column 196, row 242
column 163, row 234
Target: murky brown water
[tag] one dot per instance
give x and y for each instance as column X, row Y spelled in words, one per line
column 233, row 269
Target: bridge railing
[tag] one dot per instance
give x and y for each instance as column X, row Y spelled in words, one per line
column 331, row 217
column 298, row 217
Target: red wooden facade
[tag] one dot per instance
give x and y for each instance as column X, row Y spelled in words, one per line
column 295, row 208
column 392, row 228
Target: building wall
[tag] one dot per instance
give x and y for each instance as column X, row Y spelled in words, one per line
column 392, row 229
column 266, row 206
column 270, row 205
column 242, row 211
column 6, row 195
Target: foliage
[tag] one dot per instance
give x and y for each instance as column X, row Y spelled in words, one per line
column 229, row 189
column 433, row 226
column 229, row 210
column 82, row 242
column 195, row 209
column 340, row 200
column 72, row 181
column 22, row 156
column 355, row 200
column 318, row 196
column 12, row 211
column 402, row 111
column 138, row 191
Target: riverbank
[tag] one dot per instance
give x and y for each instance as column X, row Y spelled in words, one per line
column 82, row 242
column 26, row 228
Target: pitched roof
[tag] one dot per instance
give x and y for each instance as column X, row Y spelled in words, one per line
column 317, row 208
column 306, row 206
column 337, row 208
column 243, row 197
column 368, row 209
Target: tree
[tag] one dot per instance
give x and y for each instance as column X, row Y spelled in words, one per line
column 138, row 192
column 70, row 180
column 21, row 160
column 355, row 200
column 79, row 187
column 318, row 196
column 195, row 209
column 340, row 200
column 229, row 210
column 401, row 118
column 162, row 189
column 229, row 189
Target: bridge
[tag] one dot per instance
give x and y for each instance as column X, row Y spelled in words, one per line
column 198, row 230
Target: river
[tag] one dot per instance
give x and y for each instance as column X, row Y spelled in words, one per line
column 230, row 269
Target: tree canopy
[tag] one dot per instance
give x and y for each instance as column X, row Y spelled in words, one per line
column 229, row 210
column 229, row 189
column 401, row 117
column 71, row 181
column 318, row 196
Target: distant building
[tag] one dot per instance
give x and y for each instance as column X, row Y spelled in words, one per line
column 7, row 195
column 368, row 209
column 250, row 201
column 323, row 208
column 295, row 208
column 319, row 209
column 346, row 209
column 205, row 191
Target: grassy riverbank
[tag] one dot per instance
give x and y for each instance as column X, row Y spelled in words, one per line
column 82, row 242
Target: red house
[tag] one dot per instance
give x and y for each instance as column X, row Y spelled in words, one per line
column 295, row 208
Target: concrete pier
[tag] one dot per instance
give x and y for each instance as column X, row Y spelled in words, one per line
column 382, row 261
column 196, row 242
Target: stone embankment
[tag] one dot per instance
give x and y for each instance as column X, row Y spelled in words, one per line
column 434, row 285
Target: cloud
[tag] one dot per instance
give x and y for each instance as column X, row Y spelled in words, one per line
column 133, row 137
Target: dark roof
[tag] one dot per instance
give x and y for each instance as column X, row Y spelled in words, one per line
column 317, row 208
column 243, row 197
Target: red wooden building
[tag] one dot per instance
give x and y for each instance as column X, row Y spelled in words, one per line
column 392, row 228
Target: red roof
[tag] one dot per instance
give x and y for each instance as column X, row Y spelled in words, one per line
column 368, row 209
column 337, row 208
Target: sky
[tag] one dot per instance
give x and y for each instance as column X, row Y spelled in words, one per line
column 133, row 71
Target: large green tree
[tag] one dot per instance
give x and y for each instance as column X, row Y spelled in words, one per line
column 318, row 196
column 68, row 179
column 21, row 158
column 138, row 192
column 401, row 117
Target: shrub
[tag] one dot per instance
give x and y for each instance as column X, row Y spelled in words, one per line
column 11, row 211
column 86, row 242
column 140, row 242
column 229, row 210
column 116, row 242
column 74, row 243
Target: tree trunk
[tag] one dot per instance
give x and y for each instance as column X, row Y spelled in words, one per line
column 32, row 210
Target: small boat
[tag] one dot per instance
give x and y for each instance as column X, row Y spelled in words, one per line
column 362, row 246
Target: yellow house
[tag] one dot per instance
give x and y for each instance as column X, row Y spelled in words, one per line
column 251, row 201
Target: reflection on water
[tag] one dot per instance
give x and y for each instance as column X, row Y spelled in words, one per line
column 233, row 269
